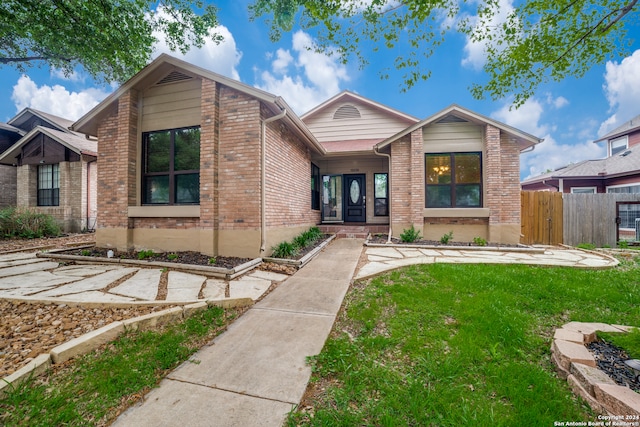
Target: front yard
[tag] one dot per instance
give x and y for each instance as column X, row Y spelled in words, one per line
column 453, row 345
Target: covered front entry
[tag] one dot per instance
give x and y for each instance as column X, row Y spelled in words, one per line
column 355, row 198
column 344, row 198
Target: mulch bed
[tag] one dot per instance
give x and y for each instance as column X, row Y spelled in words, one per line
column 187, row 257
column 610, row 359
column 383, row 238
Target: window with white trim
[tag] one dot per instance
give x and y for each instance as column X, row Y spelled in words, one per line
column 618, row 145
column 583, row 190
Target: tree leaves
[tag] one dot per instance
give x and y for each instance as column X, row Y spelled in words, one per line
column 532, row 43
column 111, row 39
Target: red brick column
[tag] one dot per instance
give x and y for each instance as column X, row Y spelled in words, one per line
column 407, row 182
column 208, row 154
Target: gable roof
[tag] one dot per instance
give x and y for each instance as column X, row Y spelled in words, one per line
column 347, row 96
column 162, row 68
column 525, row 140
column 8, row 128
column 26, row 114
column 628, row 127
column 73, row 141
column 626, row 163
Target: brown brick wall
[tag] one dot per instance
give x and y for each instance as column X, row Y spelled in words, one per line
column 209, row 145
column 407, row 180
column 510, row 176
column 239, row 161
column 8, row 184
column 117, row 148
column 288, row 176
column 493, row 174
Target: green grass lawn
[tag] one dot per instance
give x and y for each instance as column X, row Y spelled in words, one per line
column 458, row 345
column 93, row 389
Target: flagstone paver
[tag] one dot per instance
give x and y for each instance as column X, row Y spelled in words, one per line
column 23, row 275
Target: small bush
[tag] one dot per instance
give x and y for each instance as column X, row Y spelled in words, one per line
column 301, row 240
column 212, row 260
column 27, row 224
column 145, row 254
column 171, row 257
column 623, row 244
column 479, row 241
column 285, row 250
column 446, row 238
column 410, row 235
column 85, row 252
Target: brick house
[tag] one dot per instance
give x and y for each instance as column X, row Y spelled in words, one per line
column 9, row 135
column 192, row 160
column 55, row 169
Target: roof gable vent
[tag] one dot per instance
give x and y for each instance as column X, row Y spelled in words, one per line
column 174, row 77
column 346, row 112
column 450, row 118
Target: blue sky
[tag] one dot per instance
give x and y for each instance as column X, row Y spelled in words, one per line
column 569, row 115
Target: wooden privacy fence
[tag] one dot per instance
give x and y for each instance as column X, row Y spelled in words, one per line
column 541, row 218
column 552, row 218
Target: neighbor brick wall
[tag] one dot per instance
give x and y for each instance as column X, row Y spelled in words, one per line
column 239, row 161
column 407, row 180
column 117, row 148
column 288, row 182
column 9, row 186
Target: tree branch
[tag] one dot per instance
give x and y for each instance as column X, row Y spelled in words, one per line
column 32, row 58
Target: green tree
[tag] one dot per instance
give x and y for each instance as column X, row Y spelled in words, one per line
column 535, row 42
column 110, row 39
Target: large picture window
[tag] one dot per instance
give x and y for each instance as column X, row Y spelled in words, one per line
column 49, row 185
column 453, row 180
column 171, row 169
column 381, row 194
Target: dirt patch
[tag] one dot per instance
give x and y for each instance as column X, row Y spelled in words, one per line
column 66, row 241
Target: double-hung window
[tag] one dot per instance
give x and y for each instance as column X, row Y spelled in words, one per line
column 49, row 185
column 453, row 180
column 171, row 167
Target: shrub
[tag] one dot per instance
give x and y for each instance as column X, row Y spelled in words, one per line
column 623, row 244
column 145, row 254
column 479, row 241
column 27, row 224
column 171, row 257
column 410, row 235
column 446, row 238
column 85, row 252
column 301, row 240
column 284, row 250
column 212, row 260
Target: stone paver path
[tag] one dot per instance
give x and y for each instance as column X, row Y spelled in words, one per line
column 380, row 259
column 24, row 276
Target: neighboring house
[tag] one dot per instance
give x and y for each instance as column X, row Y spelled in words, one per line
column 8, row 176
column 619, row 172
column 192, row 160
column 55, row 169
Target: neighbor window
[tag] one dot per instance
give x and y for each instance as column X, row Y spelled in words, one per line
column 618, row 145
column 171, row 167
column 583, row 190
column 453, row 180
column 49, row 185
column 315, row 187
column 381, row 194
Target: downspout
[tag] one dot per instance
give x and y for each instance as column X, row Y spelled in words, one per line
column 263, row 178
column 89, row 191
column 388, row 156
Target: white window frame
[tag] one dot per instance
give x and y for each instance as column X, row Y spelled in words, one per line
column 633, row 184
column 594, row 190
column 621, row 138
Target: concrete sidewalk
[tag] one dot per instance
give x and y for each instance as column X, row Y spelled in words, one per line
column 256, row 372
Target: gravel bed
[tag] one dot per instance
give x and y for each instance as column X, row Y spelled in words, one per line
column 28, row 330
column 610, row 359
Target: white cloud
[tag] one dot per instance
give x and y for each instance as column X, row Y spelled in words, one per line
column 222, row 58
column 550, row 154
column 75, row 76
column 622, row 88
column 55, row 99
column 475, row 51
column 304, row 77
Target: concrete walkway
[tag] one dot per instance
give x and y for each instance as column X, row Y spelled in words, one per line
column 256, row 372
